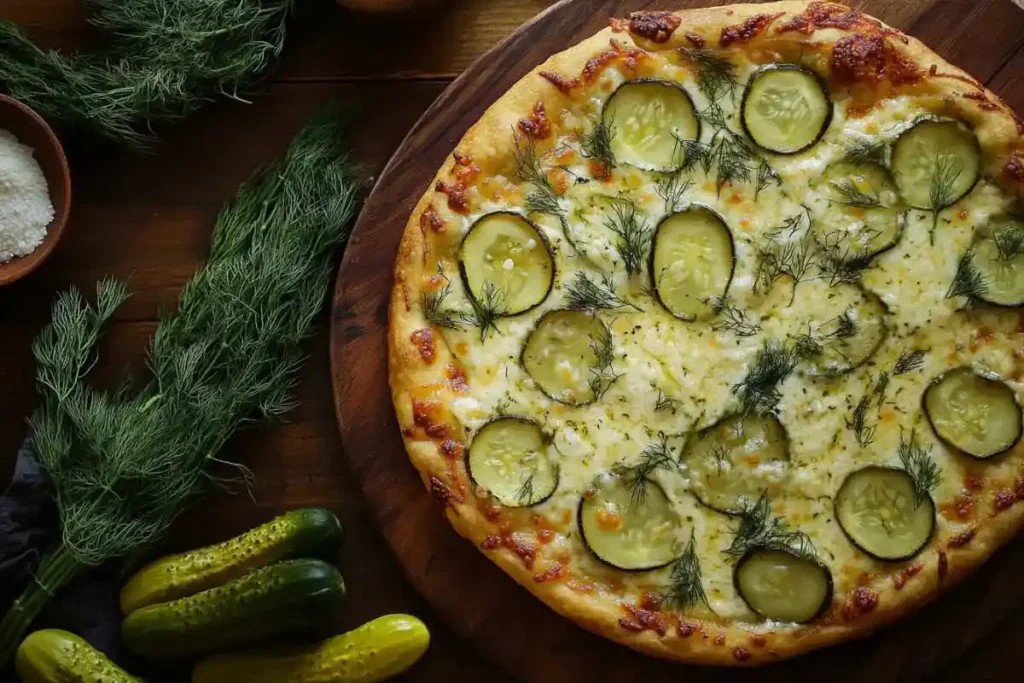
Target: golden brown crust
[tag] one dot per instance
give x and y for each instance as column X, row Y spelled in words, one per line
column 420, row 390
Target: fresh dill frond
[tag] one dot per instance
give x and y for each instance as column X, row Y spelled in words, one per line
column 881, row 387
column 909, row 361
column 657, row 455
column 867, row 151
column 543, row 201
column 524, row 494
column 716, row 76
column 968, row 280
column 759, row 392
column 851, row 195
column 732, row 319
column 161, row 62
column 663, row 402
column 766, row 175
column 693, row 153
column 947, row 170
column 859, row 422
column 1010, row 242
column 634, row 233
column 789, row 228
column 843, row 326
column 806, row 346
column 759, row 529
column 542, row 198
column 793, row 258
column 123, row 465
column 597, row 144
column 433, row 305
column 685, row 588
column 840, row 269
column 486, row 309
column 602, row 374
column 672, row 187
column 586, row 294
column 923, row 470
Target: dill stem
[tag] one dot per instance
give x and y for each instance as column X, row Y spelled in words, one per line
column 55, row 571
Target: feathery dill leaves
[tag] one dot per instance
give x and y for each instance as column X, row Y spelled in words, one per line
column 542, row 198
column 843, row 326
column 923, row 470
column 732, row 319
column 948, row 169
column 602, row 374
column 597, row 144
column 587, row 294
column 656, row 455
column 433, row 305
column 685, row 588
column 841, row 269
column 664, row 402
column 807, row 346
column 759, row 391
column 693, row 153
column 672, row 187
column 486, row 309
column 793, row 258
column 716, row 76
column 124, row 465
column 860, row 422
column 881, row 387
column 851, row 195
column 867, row 151
column 1010, row 242
column 968, row 280
column 766, row 175
column 759, row 529
column 525, row 491
column 158, row 65
column 732, row 155
column 812, row 344
column 634, row 233
column 909, row 361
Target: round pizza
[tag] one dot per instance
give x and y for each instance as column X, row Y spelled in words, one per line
column 710, row 334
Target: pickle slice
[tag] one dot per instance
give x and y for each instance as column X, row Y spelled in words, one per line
column 877, row 510
column 646, row 118
column 975, row 414
column 509, row 459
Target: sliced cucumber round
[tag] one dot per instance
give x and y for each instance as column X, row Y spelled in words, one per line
column 506, row 263
column 786, row 108
column 509, row 458
column 562, row 355
column 999, row 258
column 780, row 585
column 627, row 531
column 840, row 344
column 692, row 262
column 646, row 118
column 877, row 509
column 935, row 162
column 864, row 215
column 736, row 460
column 975, row 414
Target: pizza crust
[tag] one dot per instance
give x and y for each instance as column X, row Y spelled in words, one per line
column 488, row 144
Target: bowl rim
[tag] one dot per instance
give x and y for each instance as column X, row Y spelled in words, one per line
column 21, row 266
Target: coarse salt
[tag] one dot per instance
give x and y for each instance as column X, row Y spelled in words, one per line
column 25, row 206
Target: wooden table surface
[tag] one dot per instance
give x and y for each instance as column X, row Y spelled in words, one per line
column 149, row 219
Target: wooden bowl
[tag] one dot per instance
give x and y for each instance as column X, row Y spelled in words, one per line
column 30, row 129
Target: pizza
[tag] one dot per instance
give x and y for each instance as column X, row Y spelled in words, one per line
column 709, row 333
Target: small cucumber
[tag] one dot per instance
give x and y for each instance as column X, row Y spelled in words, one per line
column 383, row 648
column 54, row 656
column 308, row 532
column 283, row 597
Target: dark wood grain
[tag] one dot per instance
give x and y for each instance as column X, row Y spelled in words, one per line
column 484, row 605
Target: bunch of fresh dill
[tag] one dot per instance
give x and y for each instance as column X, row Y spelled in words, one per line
column 165, row 59
column 123, row 465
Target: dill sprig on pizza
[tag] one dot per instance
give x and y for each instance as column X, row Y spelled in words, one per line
column 720, row 330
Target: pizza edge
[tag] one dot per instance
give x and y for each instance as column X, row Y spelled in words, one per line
column 487, row 146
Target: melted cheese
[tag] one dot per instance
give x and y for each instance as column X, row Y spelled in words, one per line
column 698, row 367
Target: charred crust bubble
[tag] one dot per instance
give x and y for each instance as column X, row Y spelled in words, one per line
column 870, row 59
column 656, row 27
column 537, row 125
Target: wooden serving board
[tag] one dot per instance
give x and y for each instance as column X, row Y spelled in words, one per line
column 499, row 617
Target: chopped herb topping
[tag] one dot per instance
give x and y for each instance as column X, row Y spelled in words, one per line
column 968, row 281
column 433, row 305
column 947, row 170
column 923, row 471
column 685, row 589
column 759, row 529
column 586, row 294
column 634, row 233
column 486, row 310
column 656, row 455
column 759, row 391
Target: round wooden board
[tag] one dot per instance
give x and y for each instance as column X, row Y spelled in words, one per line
column 480, row 602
